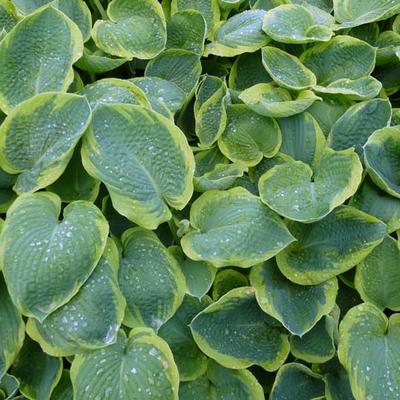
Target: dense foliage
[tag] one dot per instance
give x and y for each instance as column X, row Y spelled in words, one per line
column 200, row 199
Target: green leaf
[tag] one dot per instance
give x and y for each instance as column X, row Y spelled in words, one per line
column 45, row 261
column 236, row 333
column 369, row 346
column 134, row 29
column 381, row 154
column 181, row 67
column 210, row 109
column 63, row 390
column 12, row 331
column 300, row 193
column 112, row 90
column 209, row 9
column 275, row 102
column 331, row 246
column 7, row 195
column 293, row 23
column 165, row 97
column 38, row 137
column 135, row 368
column 186, row 30
column 297, row 307
column 191, row 362
column 51, row 43
column 378, row 203
column 199, row 277
column 150, row 279
column 378, row 276
column 233, row 227
column 37, row 372
column 294, row 376
column 302, row 138
column 337, row 385
column 8, row 15
column 248, row 136
column 241, row 33
column 388, row 44
column 226, row 280
column 222, row 383
column 91, row 319
column 143, row 159
column 287, row 70
column 358, row 123
column 77, row 10
column 351, row 13
column 9, row 385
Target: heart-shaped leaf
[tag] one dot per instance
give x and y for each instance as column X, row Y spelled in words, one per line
column 226, row 280
column 143, row 159
column 369, row 346
column 150, row 279
column 241, row 33
column 331, row 246
column 248, row 136
column 52, row 43
column 293, row 23
column 248, row 335
column 381, row 154
column 135, row 29
column 38, row 137
column 300, row 193
column 134, row 368
column 91, row 319
column 233, row 227
column 297, row 307
column 199, row 277
column 46, row 261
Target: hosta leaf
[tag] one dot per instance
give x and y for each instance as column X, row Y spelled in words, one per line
column 286, row 69
column 199, row 277
column 378, row 203
column 143, row 159
column 388, row 44
column 8, row 15
column 326, row 5
column 353, row 12
column 38, row 137
column 51, row 43
column 248, row 336
column 150, row 279
column 331, row 246
column 46, row 261
column 241, row 33
column 75, row 183
column 233, row 227
column 210, row 109
column 248, row 136
column 186, row 30
column 135, row 29
column 297, row 307
column 293, row 23
column 317, row 345
column 270, row 101
column 77, row 10
column 9, row 386
column 63, row 390
column 381, row 153
column 37, row 372
column 91, row 319
column 209, row 9
column 378, row 276
column 327, row 60
column 164, row 96
column 191, row 362
column 337, row 385
column 181, row 67
column 12, row 331
column 140, row 367
column 358, row 123
column 112, row 90
column 226, row 280
column 222, row 383
column 308, row 385
column 300, row 193
column 302, row 138
column 369, row 350
column 7, row 195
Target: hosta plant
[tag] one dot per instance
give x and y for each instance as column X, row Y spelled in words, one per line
column 199, row 199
